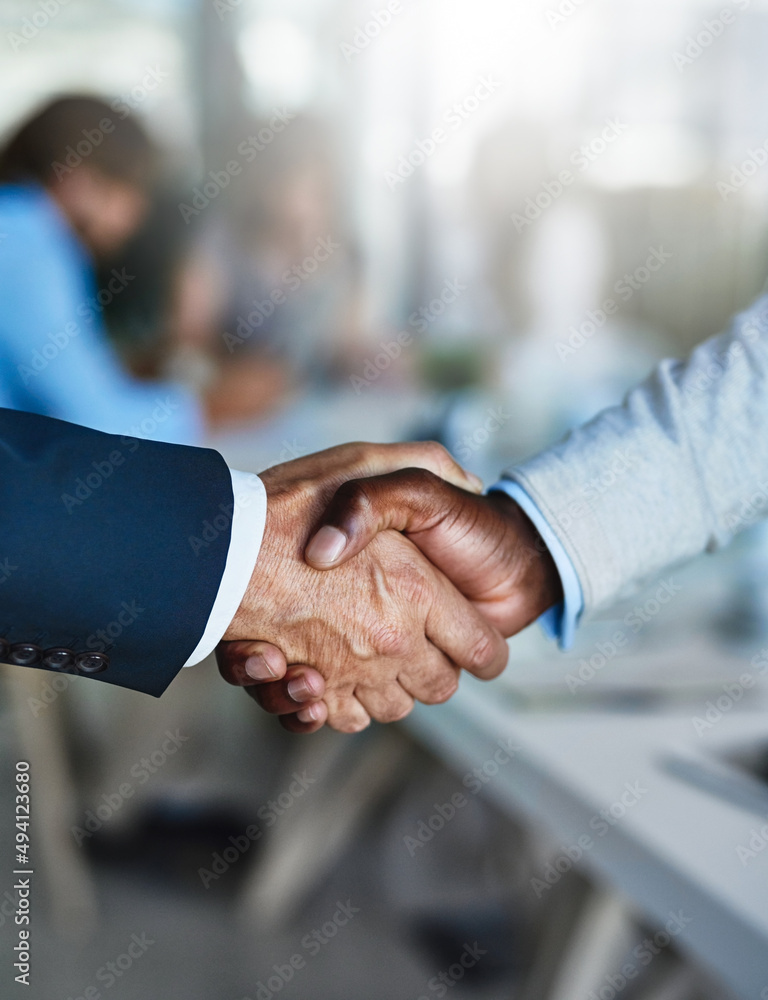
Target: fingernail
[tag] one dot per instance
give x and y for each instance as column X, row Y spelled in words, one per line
column 299, row 690
column 327, row 545
column 309, row 714
column 476, row 481
column 259, row 669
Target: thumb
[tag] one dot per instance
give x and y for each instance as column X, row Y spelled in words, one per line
column 408, row 500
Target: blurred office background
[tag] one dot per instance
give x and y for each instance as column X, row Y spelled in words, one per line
column 340, row 272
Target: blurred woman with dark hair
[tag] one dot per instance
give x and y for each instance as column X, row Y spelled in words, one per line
column 75, row 184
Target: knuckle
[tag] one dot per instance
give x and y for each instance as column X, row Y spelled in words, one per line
column 442, row 691
column 355, row 495
column 393, row 712
column 483, row 654
column 389, row 640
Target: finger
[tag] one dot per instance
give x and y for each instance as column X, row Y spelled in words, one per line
column 345, row 712
column 432, row 678
column 428, row 455
column 250, row 662
column 407, row 500
column 302, row 722
column 301, row 686
column 465, row 637
column 387, row 704
column 358, row 460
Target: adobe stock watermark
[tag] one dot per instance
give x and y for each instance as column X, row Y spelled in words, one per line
column 609, row 649
column 453, row 119
column 270, row 814
column 247, row 151
column 109, row 973
column 749, row 510
column 212, row 528
column 709, row 32
column 754, row 161
column 582, row 159
column 564, row 10
column 439, row 985
column 312, row 944
column 474, row 781
column 622, row 461
column 470, row 443
column 419, row 321
column 642, row 956
column 601, row 824
column 699, row 379
column 224, row 7
column 147, row 85
column 754, row 847
column 111, row 803
column 625, row 288
column 59, row 340
column 733, row 692
column 79, row 151
column 293, row 278
column 369, row 31
column 35, row 22
column 86, row 485
column 7, row 569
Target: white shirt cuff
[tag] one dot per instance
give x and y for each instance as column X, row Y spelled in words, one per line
column 249, row 515
column 560, row 621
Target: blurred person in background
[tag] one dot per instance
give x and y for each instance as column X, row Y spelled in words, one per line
column 76, row 182
column 271, row 282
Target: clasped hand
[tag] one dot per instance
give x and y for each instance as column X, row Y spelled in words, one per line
column 426, row 579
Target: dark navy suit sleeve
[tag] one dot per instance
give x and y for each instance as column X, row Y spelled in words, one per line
column 112, row 550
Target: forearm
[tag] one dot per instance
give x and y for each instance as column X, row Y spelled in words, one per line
column 677, row 470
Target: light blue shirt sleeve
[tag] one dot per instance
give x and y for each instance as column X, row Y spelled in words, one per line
column 55, row 357
column 560, row 621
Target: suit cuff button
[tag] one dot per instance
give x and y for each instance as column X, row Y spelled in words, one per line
column 59, row 659
column 26, row 654
column 91, row 663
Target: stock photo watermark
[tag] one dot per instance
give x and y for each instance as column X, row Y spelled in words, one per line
column 474, row 781
column 109, row 973
column 31, row 25
column 642, row 956
column 293, row 278
column 212, row 528
column 608, row 649
column 440, row 984
column 564, row 10
column 470, row 443
column 370, row 30
column 733, row 692
column 582, row 159
column 76, row 153
column 110, row 803
column 219, row 180
column 621, row 462
column 453, row 119
column 601, row 824
column 625, row 288
column 419, row 321
column 707, row 34
column 312, row 944
column 270, row 814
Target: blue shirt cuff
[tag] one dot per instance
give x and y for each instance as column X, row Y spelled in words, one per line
column 560, row 621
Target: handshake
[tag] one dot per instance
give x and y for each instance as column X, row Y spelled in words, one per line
column 383, row 574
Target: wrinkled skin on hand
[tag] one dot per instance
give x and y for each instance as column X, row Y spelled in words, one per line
column 384, row 629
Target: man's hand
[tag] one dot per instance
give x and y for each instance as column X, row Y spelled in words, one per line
column 384, row 629
column 485, row 545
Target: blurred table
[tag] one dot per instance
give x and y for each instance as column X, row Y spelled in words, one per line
column 674, row 849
